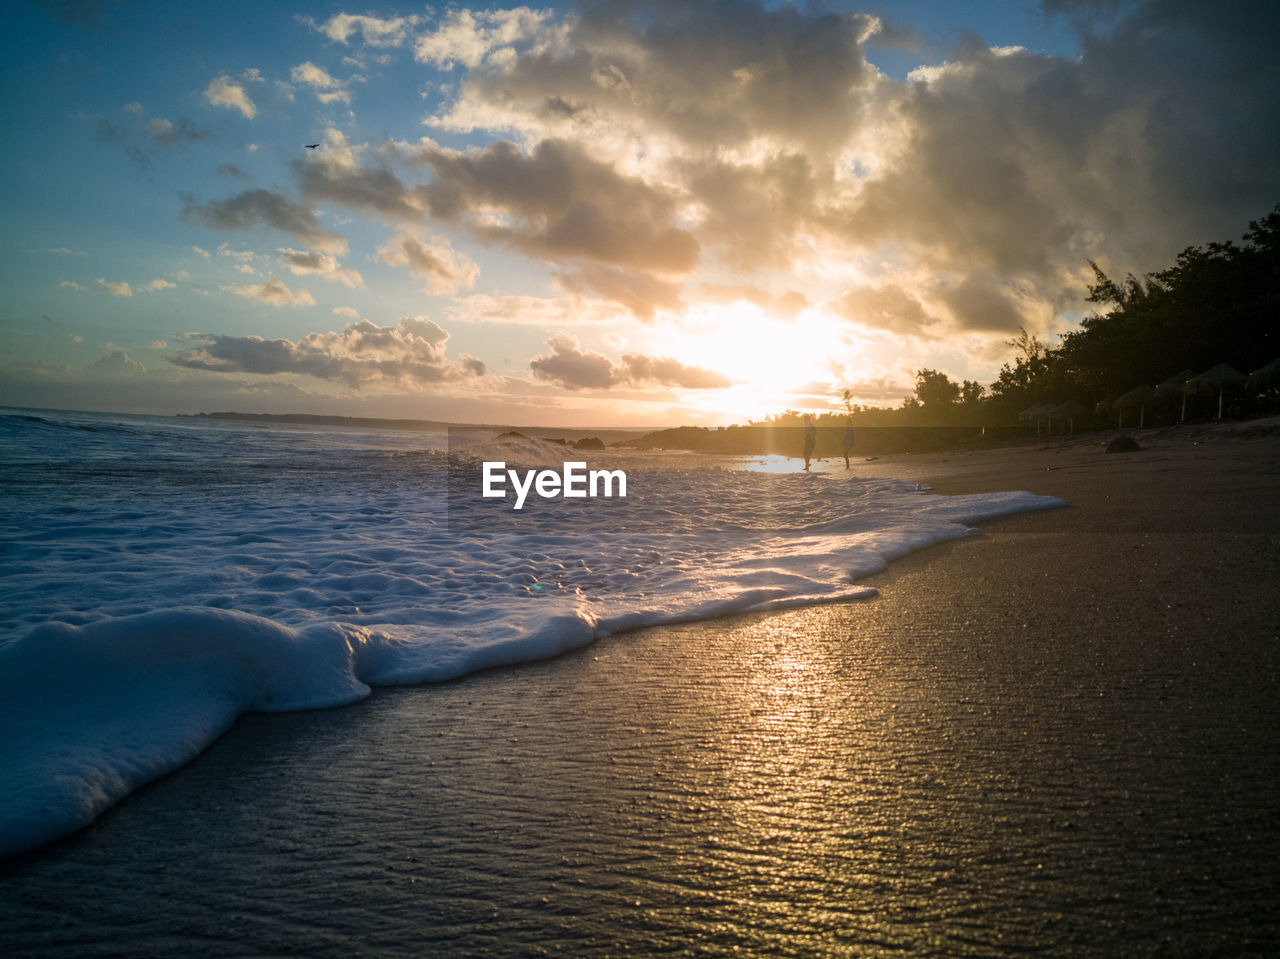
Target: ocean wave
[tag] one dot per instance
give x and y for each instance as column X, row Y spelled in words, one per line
column 144, row 617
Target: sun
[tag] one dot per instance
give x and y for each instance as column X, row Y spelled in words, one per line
column 743, row 342
column 769, row 358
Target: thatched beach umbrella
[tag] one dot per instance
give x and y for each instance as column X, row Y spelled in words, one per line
column 1264, row 376
column 1035, row 413
column 1216, row 380
column 1174, row 386
column 1139, row 396
column 1067, row 411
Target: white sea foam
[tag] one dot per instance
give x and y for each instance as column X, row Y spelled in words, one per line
column 163, row 577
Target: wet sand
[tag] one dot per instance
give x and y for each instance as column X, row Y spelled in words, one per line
column 1057, row 736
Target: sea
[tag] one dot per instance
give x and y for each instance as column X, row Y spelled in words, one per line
column 162, row 576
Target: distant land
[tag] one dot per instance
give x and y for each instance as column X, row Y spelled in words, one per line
column 752, row 440
column 610, row 434
column 315, row 419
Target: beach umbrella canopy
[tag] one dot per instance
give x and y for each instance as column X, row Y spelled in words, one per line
column 1175, row 383
column 1216, row 380
column 1137, row 396
column 1265, row 375
column 1067, row 411
column 1036, row 413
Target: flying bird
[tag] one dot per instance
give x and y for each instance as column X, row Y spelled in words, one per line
column 310, row 146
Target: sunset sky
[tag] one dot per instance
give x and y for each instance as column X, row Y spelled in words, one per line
column 600, row 213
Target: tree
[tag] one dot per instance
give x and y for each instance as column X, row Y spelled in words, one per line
column 1027, row 346
column 936, row 392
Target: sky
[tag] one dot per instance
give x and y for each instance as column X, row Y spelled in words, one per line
column 607, row 213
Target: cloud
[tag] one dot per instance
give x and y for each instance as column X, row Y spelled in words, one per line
column 326, row 88
column 334, row 173
column 558, row 203
column 302, row 263
column 887, row 306
column 115, row 289
column 231, row 170
column 978, row 302
column 469, row 36
column 785, row 305
column 374, row 31
column 224, row 92
column 445, row 269
column 710, row 75
column 1026, row 164
column 668, row 372
column 752, row 138
column 253, row 207
column 574, row 368
column 168, row 133
column 71, row 285
column 116, row 364
column 158, row 284
column 536, row 311
column 411, row 355
column 140, row 136
column 641, row 293
column 63, row 251
column 275, row 293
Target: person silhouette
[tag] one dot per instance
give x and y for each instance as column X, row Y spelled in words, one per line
column 810, row 440
column 846, row 444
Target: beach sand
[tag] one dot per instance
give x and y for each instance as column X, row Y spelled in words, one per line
column 1056, row 736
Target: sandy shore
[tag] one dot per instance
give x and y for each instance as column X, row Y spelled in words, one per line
column 1057, row 736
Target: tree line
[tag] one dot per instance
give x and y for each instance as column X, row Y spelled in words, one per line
column 1218, row 303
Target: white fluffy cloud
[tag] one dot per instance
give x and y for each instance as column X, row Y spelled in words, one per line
column 275, row 293
column 115, row 289
column 326, row 88
column 225, row 92
column 470, row 36
column 375, row 31
column 444, row 269
column 305, row 263
column 118, row 363
column 410, row 355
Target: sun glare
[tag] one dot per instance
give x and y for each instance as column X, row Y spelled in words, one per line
column 744, row 343
column 768, row 358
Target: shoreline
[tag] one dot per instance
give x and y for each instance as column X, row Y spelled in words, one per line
column 1056, row 733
